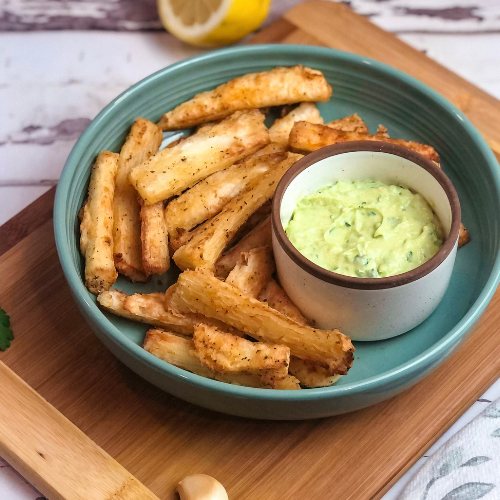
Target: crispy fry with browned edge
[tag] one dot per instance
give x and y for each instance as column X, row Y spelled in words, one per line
column 306, row 137
column 283, row 85
column 251, row 223
column 263, row 212
column 212, row 237
column 280, row 129
column 184, row 237
column 177, row 141
column 382, row 131
column 310, row 374
column 226, row 353
column 214, row 148
column 201, row 292
column 271, row 148
column 352, row 123
column 253, row 270
column 150, row 308
column 96, row 227
column 463, row 236
column 208, row 197
column 277, row 299
column 154, row 239
column 178, row 351
column 143, row 141
column 260, row 236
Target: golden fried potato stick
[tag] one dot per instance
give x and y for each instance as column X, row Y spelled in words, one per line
column 150, row 308
column 381, row 130
column 225, row 353
column 306, row 137
column 310, row 374
column 146, row 308
column 214, row 148
column 277, row 299
column 154, row 239
column 284, row 85
column 178, row 351
column 96, row 227
column 208, row 197
column 352, row 123
column 201, row 292
column 181, row 240
column 307, row 372
column 177, row 141
column 251, row 223
column 253, row 271
column 212, row 237
column 463, row 236
column 280, row 129
column 260, row 236
column 271, row 148
column 263, row 212
column 143, row 141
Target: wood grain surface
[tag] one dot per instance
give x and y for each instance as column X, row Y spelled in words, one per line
column 160, row 439
column 59, row 459
column 26, row 221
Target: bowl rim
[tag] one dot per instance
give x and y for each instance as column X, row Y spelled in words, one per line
column 354, row 282
column 87, row 304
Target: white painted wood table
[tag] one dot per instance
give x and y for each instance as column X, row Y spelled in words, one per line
column 62, row 61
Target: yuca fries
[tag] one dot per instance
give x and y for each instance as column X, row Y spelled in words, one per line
column 307, row 372
column 280, row 129
column 143, row 141
column 226, row 353
column 271, row 148
column 208, row 197
column 310, row 374
column 262, row 213
column 277, row 299
column 252, row 271
column 178, row 351
column 382, row 131
column 154, row 239
column 174, row 169
column 463, row 236
column 96, row 228
column 352, row 123
column 201, row 292
column 257, row 237
column 278, row 86
column 306, row 137
column 212, row 237
column 150, row 308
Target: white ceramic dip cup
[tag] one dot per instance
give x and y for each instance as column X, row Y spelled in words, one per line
column 365, row 308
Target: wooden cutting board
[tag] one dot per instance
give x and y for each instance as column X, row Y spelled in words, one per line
column 160, row 439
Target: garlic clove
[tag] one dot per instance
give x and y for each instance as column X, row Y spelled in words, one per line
column 201, row 487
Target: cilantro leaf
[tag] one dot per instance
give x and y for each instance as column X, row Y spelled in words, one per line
column 6, row 334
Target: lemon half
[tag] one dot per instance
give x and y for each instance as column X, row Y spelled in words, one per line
column 212, row 23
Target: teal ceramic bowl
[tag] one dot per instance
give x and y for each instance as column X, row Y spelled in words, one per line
column 380, row 94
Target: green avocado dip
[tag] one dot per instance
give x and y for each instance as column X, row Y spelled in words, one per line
column 365, row 229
